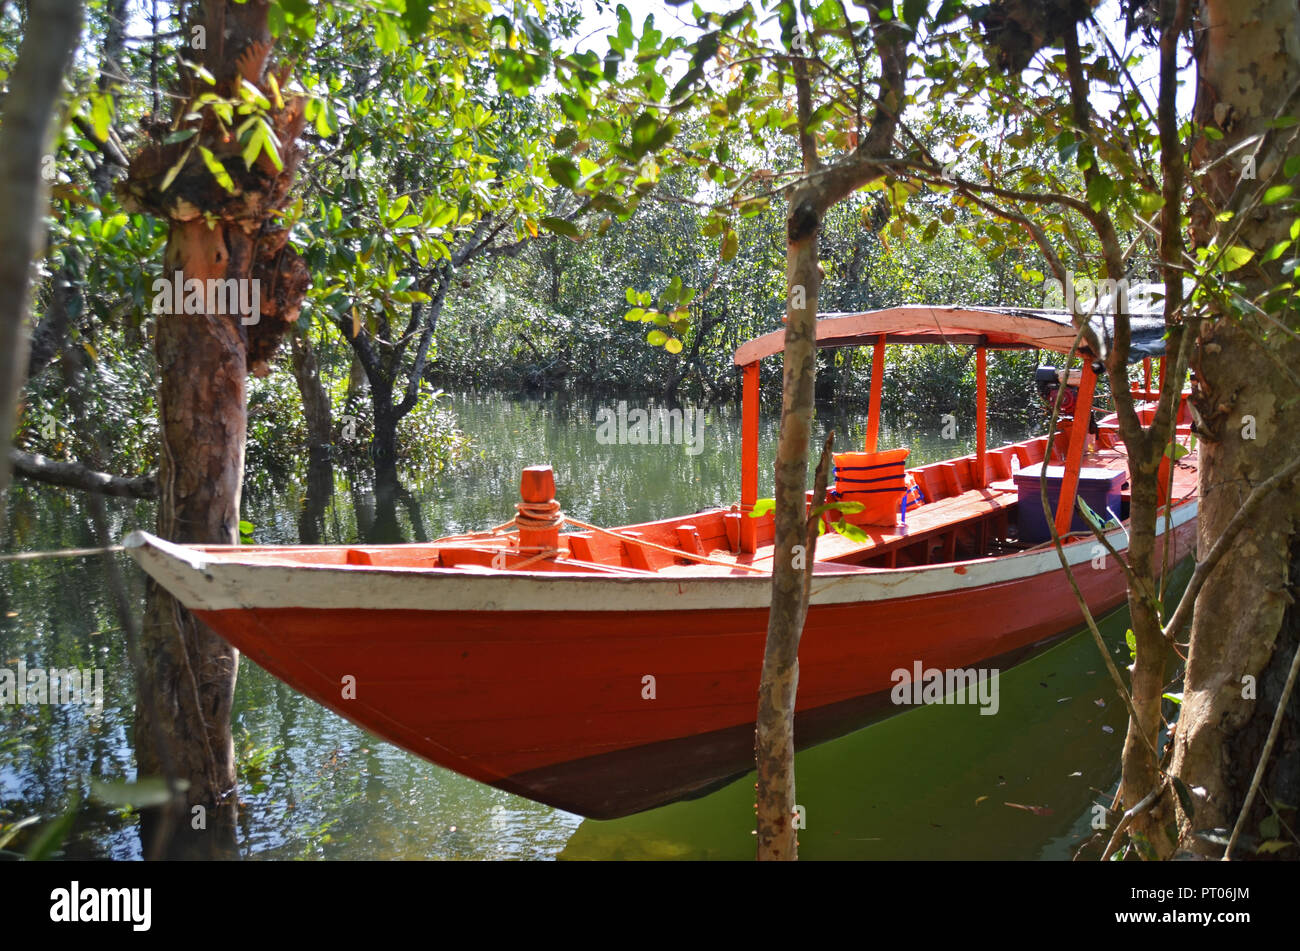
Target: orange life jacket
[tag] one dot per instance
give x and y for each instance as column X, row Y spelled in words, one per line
column 876, row 479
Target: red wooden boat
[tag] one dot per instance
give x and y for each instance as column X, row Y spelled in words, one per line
column 609, row 671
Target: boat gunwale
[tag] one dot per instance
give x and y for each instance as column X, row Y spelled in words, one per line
column 575, row 589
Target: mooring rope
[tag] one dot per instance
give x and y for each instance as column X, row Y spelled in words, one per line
column 539, row 515
column 677, row 552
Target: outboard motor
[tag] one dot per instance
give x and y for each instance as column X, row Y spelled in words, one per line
column 1050, row 379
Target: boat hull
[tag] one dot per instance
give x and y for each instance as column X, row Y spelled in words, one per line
column 606, row 697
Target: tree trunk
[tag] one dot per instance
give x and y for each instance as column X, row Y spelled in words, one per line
column 315, row 398
column 189, row 673
column 188, row 670
column 780, row 679
column 792, row 555
column 1249, row 62
column 25, row 163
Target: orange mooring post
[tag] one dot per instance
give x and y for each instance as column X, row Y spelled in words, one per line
column 981, row 414
column 877, row 391
column 539, row 525
column 1074, row 454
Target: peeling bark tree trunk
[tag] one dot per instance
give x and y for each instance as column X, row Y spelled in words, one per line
column 1245, row 626
column 188, row 671
column 51, row 36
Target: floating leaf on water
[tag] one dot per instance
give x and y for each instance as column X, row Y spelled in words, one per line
column 150, row 791
column 7, row 834
column 1108, row 729
column 1036, row 810
column 980, row 800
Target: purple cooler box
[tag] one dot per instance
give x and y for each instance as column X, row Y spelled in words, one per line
column 1099, row 488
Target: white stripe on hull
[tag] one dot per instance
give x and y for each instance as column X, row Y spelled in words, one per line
column 208, row 583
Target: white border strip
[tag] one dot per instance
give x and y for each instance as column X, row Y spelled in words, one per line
column 220, row 585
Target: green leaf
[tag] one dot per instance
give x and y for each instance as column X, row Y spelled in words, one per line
column 1236, row 256
column 913, row 10
column 730, row 244
column 563, row 171
column 851, row 531
column 672, row 293
column 416, row 17
column 218, row 170
column 1149, row 203
column 762, row 507
column 1184, row 797
column 643, row 133
column 1100, row 190
column 112, row 226
column 673, row 345
column 387, row 37
column 561, row 226
column 1275, row 252
column 245, row 528
column 1275, row 194
column 101, row 115
column 52, row 836
column 566, row 137
column 656, row 338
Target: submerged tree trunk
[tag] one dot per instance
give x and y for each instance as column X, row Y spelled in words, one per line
column 1244, row 632
column 216, row 235
column 26, row 168
column 188, row 670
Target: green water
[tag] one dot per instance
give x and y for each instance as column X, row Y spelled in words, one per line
column 930, row 783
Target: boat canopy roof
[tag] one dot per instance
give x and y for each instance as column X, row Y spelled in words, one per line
column 998, row 328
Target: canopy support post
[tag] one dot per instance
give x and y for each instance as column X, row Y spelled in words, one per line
column 749, row 408
column 1074, row 455
column 877, row 393
column 981, row 416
